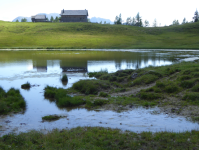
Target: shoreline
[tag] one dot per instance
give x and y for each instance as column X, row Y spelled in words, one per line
column 120, row 50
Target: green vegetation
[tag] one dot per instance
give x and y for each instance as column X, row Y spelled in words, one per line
column 61, row 97
column 12, row 101
column 51, row 117
column 102, row 94
column 176, row 84
column 99, row 138
column 97, row 36
column 26, row 86
column 91, row 86
column 64, row 78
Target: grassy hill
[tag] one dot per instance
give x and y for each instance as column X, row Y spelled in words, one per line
column 88, row 35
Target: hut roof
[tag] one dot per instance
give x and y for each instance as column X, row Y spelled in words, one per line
column 74, row 12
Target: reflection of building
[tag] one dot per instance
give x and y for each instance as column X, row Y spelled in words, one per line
column 75, row 69
column 74, row 65
column 40, row 65
column 41, row 69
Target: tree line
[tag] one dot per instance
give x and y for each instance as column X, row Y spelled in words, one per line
column 137, row 20
column 56, row 19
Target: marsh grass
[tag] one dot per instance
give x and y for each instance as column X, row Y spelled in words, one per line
column 51, row 118
column 90, row 86
column 61, row 97
column 12, row 101
column 26, row 86
column 103, row 94
column 64, row 78
column 99, row 138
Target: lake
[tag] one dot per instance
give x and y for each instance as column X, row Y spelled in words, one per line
column 42, row 68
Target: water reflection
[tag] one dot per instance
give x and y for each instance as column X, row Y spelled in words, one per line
column 69, row 61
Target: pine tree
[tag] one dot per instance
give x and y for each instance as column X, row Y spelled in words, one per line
column 184, row 21
column 196, row 17
column 51, row 19
column 155, row 23
column 118, row 19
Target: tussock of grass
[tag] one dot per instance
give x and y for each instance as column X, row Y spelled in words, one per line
column 99, row 138
column 145, row 79
column 90, row 86
column 192, row 96
column 12, row 101
column 51, row 117
column 149, row 96
column 26, row 86
column 102, row 94
column 61, row 97
column 64, row 78
column 195, row 88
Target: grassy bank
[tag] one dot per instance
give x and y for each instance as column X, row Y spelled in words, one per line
column 100, row 138
column 173, row 87
column 96, row 36
column 11, row 101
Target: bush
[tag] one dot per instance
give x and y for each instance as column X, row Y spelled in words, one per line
column 195, row 88
column 12, row 101
column 172, row 88
column 187, row 83
column 160, row 84
column 61, row 97
column 191, row 96
column 102, row 94
column 120, row 90
column 51, row 117
column 112, row 78
column 90, row 86
column 100, row 102
column 155, row 73
column 105, row 77
column 98, row 74
column 69, row 101
column 26, row 86
column 3, row 107
column 149, row 96
column 64, row 78
column 186, row 77
column 120, row 79
column 145, row 79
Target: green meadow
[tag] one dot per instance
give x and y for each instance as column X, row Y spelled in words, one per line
column 96, row 36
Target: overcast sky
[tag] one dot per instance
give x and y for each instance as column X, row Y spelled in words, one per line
column 165, row 11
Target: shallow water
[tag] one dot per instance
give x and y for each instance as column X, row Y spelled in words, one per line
column 42, row 68
column 136, row 120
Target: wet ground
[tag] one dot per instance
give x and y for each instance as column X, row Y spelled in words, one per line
column 45, row 68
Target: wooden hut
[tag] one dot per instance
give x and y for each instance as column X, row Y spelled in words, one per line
column 74, row 15
column 39, row 18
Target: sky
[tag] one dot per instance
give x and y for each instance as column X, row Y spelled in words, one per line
column 164, row 11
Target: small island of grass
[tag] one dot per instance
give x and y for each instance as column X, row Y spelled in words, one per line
column 51, row 117
column 26, row 86
column 11, row 101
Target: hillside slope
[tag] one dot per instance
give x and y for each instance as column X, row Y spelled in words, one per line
column 97, row 36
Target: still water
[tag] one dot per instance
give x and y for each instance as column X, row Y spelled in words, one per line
column 42, row 68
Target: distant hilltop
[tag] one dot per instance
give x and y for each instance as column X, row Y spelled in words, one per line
column 93, row 19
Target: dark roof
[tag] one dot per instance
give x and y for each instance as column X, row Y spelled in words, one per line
column 74, row 12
